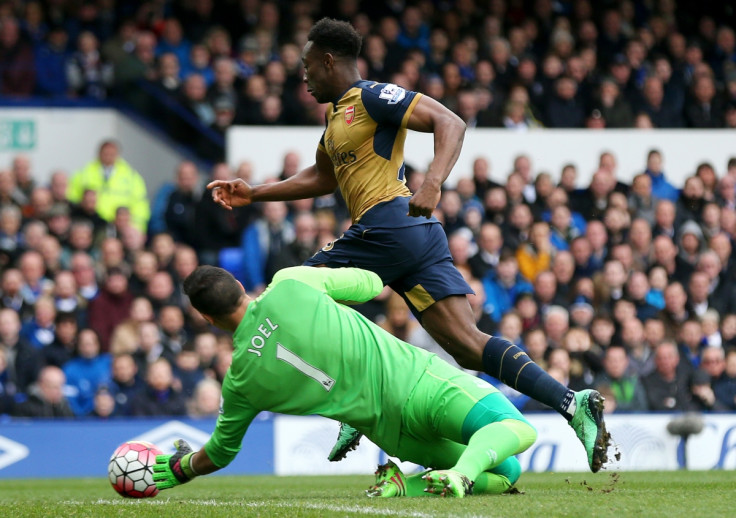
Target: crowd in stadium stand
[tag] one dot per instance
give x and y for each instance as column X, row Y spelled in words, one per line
column 626, row 288
column 663, row 63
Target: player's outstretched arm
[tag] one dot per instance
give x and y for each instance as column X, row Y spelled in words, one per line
column 449, row 132
column 346, row 285
column 315, row 180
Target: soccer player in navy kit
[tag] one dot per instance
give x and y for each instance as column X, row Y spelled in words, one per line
column 393, row 232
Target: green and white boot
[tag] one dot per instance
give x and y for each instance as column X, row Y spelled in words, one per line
column 590, row 427
column 448, row 483
column 347, row 440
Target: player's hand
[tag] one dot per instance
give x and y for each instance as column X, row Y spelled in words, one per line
column 173, row 470
column 231, row 193
column 424, row 202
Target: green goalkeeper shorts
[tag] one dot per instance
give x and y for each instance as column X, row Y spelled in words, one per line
column 446, row 407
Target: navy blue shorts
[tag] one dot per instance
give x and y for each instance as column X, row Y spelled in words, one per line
column 414, row 260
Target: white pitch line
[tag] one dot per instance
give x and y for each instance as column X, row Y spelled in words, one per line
column 260, row 504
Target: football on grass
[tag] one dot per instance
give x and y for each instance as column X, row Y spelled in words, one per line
column 131, row 469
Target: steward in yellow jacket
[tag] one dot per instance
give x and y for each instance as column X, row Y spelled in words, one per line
column 116, row 183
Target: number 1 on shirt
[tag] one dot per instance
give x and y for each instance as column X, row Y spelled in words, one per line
column 284, row 354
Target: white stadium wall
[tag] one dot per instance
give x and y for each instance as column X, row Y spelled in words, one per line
column 640, row 441
column 549, row 150
column 68, row 138
column 298, row 445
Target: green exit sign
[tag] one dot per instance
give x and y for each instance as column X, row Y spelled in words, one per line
column 17, row 135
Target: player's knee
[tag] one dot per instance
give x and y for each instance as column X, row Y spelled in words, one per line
column 529, row 435
column 525, row 432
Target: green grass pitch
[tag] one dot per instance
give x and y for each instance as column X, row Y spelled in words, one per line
column 621, row 495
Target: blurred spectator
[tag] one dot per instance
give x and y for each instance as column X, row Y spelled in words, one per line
column 135, row 66
column 698, row 288
column 704, row 109
column 117, row 185
column 621, row 381
column 262, row 242
column 168, row 76
column 35, row 282
column 661, row 188
column 161, row 291
column 198, row 63
column 24, row 361
column 398, row 320
column 641, row 202
column 503, row 285
column 159, row 397
column 7, row 387
column 534, row 257
column 668, row 386
column 656, row 106
column 180, row 210
column 614, row 109
column 223, row 88
column 216, row 228
column 173, row 42
column 188, row 371
column 82, row 266
column 87, row 74
column 490, row 244
column 125, row 383
column 725, row 386
column 17, row 70
column 302, row 247
column 564, row 109
column 665, row 213
column 713, row 362
column 86, row 373
column 637, row 288
column 173, row 335
column 110, row 307
column 11, row 240
column 51, row 63
column 46, row 398
column 125, row 337
column 39, row 330
column 60, row 351
column 206, row 399
column 164, row 248
column 103, row 404
column 117, row 48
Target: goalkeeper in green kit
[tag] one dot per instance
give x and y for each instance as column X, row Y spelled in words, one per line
column 299, row 351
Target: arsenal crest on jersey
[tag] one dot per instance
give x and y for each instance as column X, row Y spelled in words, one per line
column 349, row 114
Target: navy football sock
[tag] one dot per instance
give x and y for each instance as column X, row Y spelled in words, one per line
column 510, row 364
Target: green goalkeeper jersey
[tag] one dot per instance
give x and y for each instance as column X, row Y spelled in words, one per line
column 298, row 351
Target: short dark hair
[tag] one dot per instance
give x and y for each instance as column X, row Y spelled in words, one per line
column 336, row 37
column 213, row 291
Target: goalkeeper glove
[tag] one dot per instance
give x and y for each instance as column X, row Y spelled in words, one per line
column 176, row 469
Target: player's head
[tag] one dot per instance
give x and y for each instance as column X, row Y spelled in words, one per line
column 214, row 292
column 332, row 46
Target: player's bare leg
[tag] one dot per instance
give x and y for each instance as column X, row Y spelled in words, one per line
column 450, row 322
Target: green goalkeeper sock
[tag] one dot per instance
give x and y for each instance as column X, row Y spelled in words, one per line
column 492, row 444
column 491, row 484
